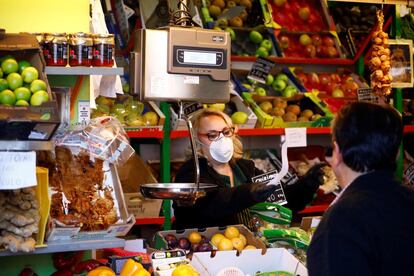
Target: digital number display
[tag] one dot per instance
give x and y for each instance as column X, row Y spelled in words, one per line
column 199, row 57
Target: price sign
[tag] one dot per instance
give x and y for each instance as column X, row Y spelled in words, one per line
column 260, row 69
column 17, row 170
column 365, row 94
column 295, row 137
column 278, row 195
column 191, row 108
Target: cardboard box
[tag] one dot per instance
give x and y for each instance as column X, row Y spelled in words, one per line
column 28, row 122
column 132, row 174
column 249, row 261
column 125, row 221
column 161, row 243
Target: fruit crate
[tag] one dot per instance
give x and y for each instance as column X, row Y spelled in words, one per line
column 309, row 44
column 340, row 84
column 28, row 122
column 266, row 117
column 231, row 13
column 301, row 15
column 161, row 242
column 248, row 42
column 281, row 80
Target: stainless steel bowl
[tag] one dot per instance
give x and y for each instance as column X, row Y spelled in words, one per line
column 176, row 191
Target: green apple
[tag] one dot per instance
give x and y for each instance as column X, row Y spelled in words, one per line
column 1, row 73
column 269, row 79
column 23, row 64
column 14, row 80
column 37, row 85
column 231, row 32
column 283, row 77
column 262, row 52
column 3, row 85
column 22, row 93
column 21, row 103
column 260, row 91
column 29, row 74
column 9, row 66
column 150, row 118
column 279, row 85
column 289, row 91
column 7, row 97
column 3, row 58
column 266, row 43
column 255, row 37
column 39, row 97
column 218, row 106
column 239, row 118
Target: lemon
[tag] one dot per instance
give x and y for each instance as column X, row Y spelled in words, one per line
column 216, row 238
column 243, row 238
column 194, row 237
column 231, row 232
column 185, row 270
column 225, row 244
column 237, row 243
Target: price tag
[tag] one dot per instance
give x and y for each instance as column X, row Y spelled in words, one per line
column 409, row 175
column 296, row 137
column 260, row 69
column 191, row 108
column 278, row 195
column 17, row 170
column 84, row 112
column 365, row 94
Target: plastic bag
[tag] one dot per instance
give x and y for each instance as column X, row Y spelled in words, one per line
column 103, row 138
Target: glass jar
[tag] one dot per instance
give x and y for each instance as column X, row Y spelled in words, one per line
column 80, row 49
column 103, row 50
column 55, row 49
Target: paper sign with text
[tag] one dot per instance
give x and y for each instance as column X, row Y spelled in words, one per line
column 260, row 69
column 278, row 195
column 296, row 137
column 17, row 170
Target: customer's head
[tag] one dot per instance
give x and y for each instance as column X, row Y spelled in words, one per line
column 210, row 126
column 368, row 136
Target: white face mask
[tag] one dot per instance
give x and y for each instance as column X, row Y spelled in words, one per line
column 222, row 149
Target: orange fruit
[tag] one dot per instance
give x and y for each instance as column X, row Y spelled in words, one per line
column 216, row 238
column 243, row 238
column 237, row 243
column 249, row 247
column 194, row 237
column 231, row 232
column 225, row 244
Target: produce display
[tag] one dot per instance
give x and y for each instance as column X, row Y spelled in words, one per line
column 257, row 43
column 300, row 15
column 342, row 83
column 380, row 62
column 407, row 26
column 19, row 219
column 218, row 10
column 309, row 45
column 359, row 18
column 230, row 108
column 19, row 83
column 229, row 239
column 126, row 109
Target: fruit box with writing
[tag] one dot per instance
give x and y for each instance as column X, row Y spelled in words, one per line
column 309, row 44
column 250, row 262
column 57, row 232
column 230, row 13
column 269, row 114
column 279, row 82
column 28, row 122
column 161, row 242
column 301, row 15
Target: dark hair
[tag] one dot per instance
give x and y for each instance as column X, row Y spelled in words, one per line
column 368, row 136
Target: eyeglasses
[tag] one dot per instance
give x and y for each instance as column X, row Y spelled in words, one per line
column 214, row 135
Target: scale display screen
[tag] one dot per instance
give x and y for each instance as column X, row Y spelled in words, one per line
column 184, row 56
column 197, row 57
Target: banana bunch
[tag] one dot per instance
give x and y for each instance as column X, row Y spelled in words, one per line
column 380, row 61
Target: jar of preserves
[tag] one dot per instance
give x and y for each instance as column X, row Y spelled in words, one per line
column 103, row 50
column 80, row 49
column 55, row 49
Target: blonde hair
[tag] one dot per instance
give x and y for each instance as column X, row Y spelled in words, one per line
column 206, row 112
